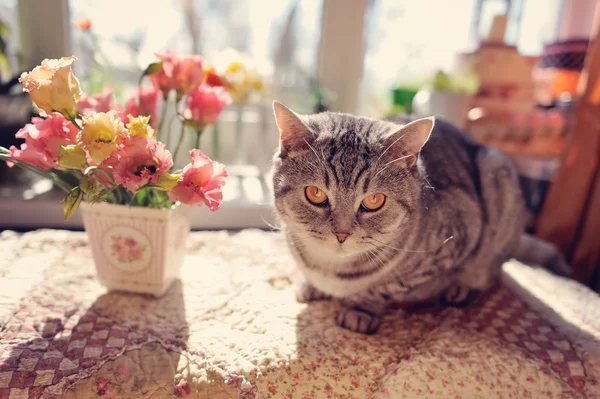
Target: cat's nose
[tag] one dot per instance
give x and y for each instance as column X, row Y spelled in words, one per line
column 341, row 237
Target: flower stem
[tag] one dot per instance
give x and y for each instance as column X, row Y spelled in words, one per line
column 179, row 143
column 216, row 141
column 170, row 126
column 239, row 139
column 73, row 119
column 163, row 116
column 40, row 172
column 95, row 170
column 198, row 134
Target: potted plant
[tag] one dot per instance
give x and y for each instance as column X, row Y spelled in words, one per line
column 447, row 97
column 110, row 160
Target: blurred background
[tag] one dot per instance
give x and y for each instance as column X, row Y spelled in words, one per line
column 506, row 71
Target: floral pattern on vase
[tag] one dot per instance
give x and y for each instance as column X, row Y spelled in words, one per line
column 127, row 248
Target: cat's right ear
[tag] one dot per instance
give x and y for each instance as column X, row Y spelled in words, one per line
column 294, row 135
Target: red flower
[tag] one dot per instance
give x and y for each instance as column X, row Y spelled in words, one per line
column 212, row 78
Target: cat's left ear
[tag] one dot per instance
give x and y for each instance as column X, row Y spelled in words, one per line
column 410, row 138
column 294, row 135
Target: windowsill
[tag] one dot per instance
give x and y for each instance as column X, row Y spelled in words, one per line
column 246, row 205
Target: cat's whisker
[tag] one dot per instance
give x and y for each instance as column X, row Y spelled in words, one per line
column 414, row 251
column 300, row 239
column 321, row 160
column 274, row 228
column 429, row 184
column 389, row 146
column 388, row 164
column 391, row 272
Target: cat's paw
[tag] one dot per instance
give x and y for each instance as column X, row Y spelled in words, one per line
column 307, row 293
column 459, row 295
column 358, row 320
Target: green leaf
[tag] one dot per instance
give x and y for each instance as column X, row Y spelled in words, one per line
column 141, row 197
column 153, row 68
column 72, row 201
column 442, row 81
column 4, row 65
column 72, row 157
column 4, row 29
column 166, row 182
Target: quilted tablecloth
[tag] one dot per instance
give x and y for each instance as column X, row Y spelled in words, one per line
column 231, row 328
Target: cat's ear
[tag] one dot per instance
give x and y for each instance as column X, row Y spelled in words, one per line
column 410, row 138
column 294, row 135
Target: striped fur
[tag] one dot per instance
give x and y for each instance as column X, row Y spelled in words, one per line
column 449, row 221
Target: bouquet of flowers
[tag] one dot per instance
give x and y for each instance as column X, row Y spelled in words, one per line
column 100, row 151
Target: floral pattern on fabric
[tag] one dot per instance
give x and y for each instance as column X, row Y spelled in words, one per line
column 240, row 332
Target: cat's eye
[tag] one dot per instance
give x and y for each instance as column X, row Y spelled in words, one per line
column 315, row 195
column 373, row 202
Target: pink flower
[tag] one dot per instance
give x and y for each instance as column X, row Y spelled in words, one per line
column 29, row 156
column 142, row 104
column 43, row 138
column 205, row 104
column 96, row 103
column 163, row 80
column 139, row 161
column 189, row 74
column 201, row 182
column 180, row 73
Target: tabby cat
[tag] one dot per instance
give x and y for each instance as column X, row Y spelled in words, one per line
column 375, row 212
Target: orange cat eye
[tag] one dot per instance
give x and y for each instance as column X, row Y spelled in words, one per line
column 373, row 202
column 315, row 195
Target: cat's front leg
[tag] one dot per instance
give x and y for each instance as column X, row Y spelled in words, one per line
column 362, row 314
column 459, row 295
column 305, row 293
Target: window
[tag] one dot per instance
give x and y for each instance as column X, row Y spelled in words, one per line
column 406, row 41
column 281, row 38
column 9, row 16
column 396, row 42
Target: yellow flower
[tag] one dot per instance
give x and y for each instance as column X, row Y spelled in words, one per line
column 101, row 134
column 139, row 126
column 53, row 87
column 235, row 66
column 72, row 157
column 167, row 181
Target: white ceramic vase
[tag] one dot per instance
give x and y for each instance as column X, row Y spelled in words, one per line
column 136, row 249
column 450, row 106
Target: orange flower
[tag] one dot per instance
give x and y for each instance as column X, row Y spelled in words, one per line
column 84, row 23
